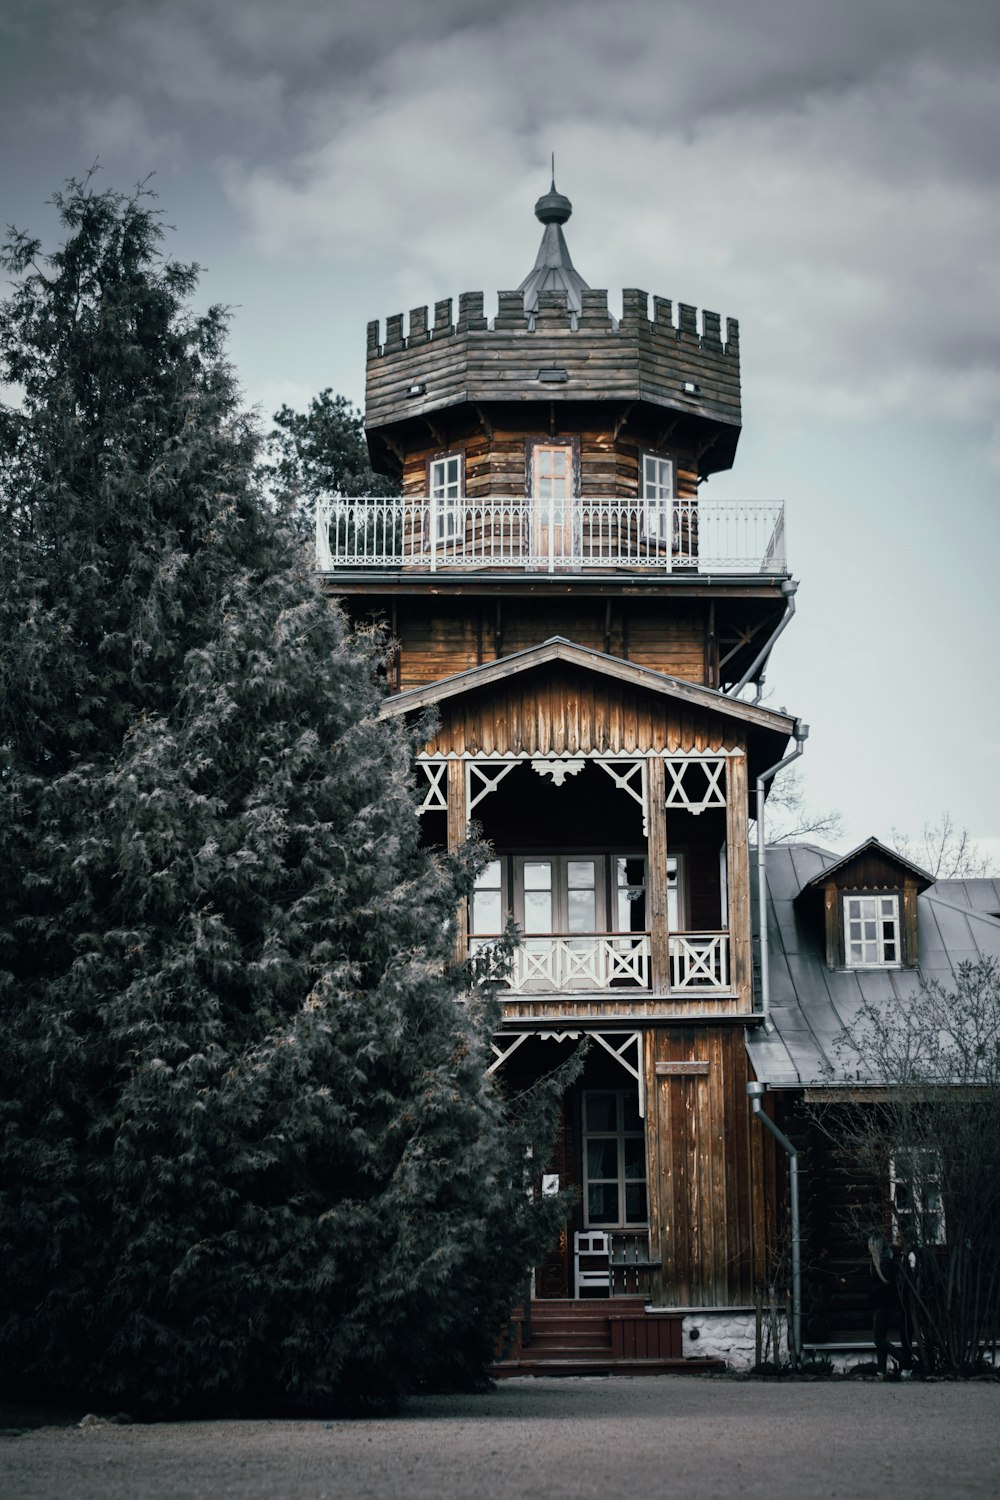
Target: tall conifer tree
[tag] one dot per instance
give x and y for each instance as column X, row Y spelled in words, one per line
column 247, row 1149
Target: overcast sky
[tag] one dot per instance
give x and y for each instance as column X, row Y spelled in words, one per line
column 824, row 170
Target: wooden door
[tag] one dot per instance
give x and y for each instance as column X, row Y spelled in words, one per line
column 551, row 503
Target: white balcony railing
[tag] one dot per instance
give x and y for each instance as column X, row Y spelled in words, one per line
column 699, row 962
column 693, row 536
column 590, row 961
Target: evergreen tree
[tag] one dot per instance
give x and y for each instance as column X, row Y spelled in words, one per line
column 320, row 451
column 247, row 1148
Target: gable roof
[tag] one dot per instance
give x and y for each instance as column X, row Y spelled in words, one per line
column 811, row 1004
column 871, row 845
column 558, row 649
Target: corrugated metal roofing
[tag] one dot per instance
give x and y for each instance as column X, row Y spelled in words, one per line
column 811, row 1004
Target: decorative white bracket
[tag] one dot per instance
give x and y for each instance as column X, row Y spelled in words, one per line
column 631, row 1039
column 436, row 795
column 557, row 769
column 502, row 1053
column 679, row 795
column 490, row 777
column 625, row 782
column 615, row 1043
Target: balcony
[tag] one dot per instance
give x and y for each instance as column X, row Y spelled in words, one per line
column 699, row 962
column 689, row 536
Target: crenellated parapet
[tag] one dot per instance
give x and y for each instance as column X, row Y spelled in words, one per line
column 658, row 354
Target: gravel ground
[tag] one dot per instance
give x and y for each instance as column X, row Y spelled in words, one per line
column 676, row 1436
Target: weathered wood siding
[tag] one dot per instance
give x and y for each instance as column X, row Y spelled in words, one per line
column 439, row 637
column 495, row 463
column 711, row 1172
column 649, row 360
column 562, row 710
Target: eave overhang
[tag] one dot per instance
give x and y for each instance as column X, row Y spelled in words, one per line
column 763, row 722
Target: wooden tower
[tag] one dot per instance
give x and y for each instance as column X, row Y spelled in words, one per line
column 581, row 617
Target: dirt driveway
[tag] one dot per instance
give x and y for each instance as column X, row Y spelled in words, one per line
column 551, row 1439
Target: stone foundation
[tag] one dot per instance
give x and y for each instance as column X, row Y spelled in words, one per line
column 729, row 1334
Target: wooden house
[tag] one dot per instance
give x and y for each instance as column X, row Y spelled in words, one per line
column 584, row 620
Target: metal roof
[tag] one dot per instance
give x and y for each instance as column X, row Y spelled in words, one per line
column 553, row 270
column 957, row 920
column 875, row 845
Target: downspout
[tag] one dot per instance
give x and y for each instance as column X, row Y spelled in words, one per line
column 801, row 733
column 788, row 588
column 755, row 1093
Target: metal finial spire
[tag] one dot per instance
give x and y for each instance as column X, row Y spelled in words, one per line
column 553, row 269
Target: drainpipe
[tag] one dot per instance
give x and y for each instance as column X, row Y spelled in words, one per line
column 801, row 733
column 788, row 588
column 755, row 1093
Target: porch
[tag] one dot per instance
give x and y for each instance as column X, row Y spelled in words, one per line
column 425, row 533
column 616, row 902
column 620, row 1336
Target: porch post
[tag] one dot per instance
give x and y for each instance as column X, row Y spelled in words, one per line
column 738, row 878
column 458, row 827
column 656, row 875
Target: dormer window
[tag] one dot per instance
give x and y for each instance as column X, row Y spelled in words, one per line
column 869, row 902
column 871, row 932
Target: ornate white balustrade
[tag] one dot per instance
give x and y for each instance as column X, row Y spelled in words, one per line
column 694, row 536
column 699, row 961
column 592, row 961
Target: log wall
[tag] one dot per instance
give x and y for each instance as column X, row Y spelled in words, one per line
column 711, row 1169
column 439, row 637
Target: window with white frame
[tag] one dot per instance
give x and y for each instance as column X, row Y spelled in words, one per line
column 871, row 932
column 657, row 496
column 577, row 893
column 915, row 1194
column 614, row 1159
column 444, row 480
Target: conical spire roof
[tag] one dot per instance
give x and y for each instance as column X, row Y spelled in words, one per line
column 553, row 270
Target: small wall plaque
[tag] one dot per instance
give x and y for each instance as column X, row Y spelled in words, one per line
column 681, row 1069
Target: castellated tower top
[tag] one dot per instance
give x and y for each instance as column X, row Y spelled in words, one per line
column 554, row 346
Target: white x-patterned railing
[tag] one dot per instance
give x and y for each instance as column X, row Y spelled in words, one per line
column 699, row 960
column 598, row 961
column 689, row 535
column 591, row 961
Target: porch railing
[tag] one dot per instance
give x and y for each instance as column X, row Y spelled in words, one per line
column 699, row 962
column 685, row 536
column 586, row 962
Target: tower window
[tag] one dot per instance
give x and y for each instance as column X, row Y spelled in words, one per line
column 871, row 932
column 444, row 488
column 657, row 496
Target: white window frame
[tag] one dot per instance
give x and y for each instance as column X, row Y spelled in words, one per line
column 926, row 1204
column 657, row 493
column 878, row 909
column 445, row 487
column 620, row 1135
column 560, row 889
column 505, row 873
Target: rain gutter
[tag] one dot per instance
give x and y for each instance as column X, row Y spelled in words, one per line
column 755, row 1093
column 788, row 588
column 801, row 733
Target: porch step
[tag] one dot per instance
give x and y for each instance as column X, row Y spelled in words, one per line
column 607, row 1366
column 607, row 1336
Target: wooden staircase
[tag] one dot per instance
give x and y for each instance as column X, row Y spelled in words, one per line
column 596, row 1336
